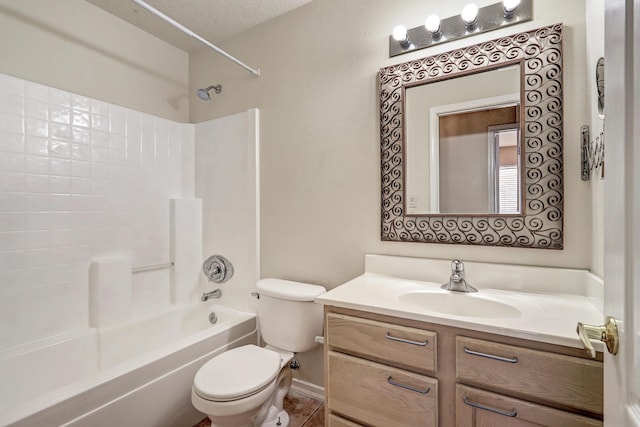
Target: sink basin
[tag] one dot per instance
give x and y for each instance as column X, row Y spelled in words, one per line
column 459, row 304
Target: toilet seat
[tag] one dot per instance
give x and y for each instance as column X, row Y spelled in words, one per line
column 237, row 373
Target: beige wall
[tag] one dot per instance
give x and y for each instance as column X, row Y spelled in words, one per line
column 320, row 133
column 320, row 162
column 75, row 46
column 595, row 50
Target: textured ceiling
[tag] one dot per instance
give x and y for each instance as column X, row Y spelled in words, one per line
column 214, row 20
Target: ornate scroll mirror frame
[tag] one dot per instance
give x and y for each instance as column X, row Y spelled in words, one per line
column 540, row 223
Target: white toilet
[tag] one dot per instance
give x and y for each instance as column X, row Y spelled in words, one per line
column 246, row 386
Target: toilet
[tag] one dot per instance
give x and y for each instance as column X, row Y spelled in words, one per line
column 246, row 386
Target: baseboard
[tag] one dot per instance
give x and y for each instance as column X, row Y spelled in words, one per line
column 308, row 389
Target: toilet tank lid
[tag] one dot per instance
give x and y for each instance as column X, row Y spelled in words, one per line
column 290, row 290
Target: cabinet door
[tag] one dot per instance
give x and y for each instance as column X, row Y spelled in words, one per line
column 479, row 408
column 380, row 395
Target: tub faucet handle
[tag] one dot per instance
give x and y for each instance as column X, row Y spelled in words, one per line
column 217, row 268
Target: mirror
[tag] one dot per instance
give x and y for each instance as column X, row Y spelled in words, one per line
column 452, row 125
column 471, row 144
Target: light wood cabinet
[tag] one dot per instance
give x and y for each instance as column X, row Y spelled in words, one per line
column 479, row 408
column 383, row 370
column 549, row 378
column 405, row 347
column 336, row 421
column 381, row 395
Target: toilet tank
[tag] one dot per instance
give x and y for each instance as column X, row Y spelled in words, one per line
column 287, row 316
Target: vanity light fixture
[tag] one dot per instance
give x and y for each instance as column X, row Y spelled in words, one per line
column 400, row 35
column 510, row 7
column 469, row 15
column 471, row 21
column 432, row 24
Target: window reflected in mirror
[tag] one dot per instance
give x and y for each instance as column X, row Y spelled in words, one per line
column 478, row 162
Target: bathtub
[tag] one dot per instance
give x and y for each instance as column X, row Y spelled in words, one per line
column 136, row 373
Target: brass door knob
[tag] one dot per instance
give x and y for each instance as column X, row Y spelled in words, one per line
column 608, row 334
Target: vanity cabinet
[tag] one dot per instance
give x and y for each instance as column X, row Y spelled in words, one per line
column 383, row 370
column 376, row 372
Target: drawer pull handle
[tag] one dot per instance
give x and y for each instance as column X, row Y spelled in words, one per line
column 491, row 356
column 392, row 338
column 513, row 413
column 408, row 387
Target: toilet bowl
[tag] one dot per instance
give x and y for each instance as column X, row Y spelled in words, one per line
column 246, row 386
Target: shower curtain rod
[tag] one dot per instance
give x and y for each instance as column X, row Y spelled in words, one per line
column 195, row 36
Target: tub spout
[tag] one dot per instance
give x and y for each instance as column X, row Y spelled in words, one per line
column 213, row 294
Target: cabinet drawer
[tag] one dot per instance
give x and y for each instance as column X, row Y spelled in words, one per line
column 380, row 395
column 405, row 347
column 336, row 421
column 477, row 408
column 550, row 378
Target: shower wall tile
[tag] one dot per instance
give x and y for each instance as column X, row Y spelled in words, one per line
column 36, row 165
column 36, row 183
column 59, row 167
column 36, row 91
column 34, row 202
column 81, row 152
column 12, row 162
column 11, row 142
column 11, row 182
column 12, row 202
column 37, row 108
column 11, row 123
column 60, row 97
column 35, row 127
column 12, row 103
column 81, row 179
column 36, row 145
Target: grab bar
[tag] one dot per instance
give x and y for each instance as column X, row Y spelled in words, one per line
column 151, row 267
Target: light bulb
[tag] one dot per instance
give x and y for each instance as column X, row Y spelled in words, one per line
column 469, row 14
column 510, row 5
column 432, row 24
column 400, row 33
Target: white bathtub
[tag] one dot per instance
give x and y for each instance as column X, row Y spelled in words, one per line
column 138, row 373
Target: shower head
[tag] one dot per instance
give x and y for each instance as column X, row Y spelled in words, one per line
column 204, row 94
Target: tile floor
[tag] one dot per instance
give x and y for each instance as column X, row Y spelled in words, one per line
column 303, row 412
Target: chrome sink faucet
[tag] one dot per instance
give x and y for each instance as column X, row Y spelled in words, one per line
column 457, row 281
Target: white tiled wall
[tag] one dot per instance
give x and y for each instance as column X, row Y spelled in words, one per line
column 80, row 179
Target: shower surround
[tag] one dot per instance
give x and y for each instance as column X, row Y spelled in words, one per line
column 80, row 179
column 85, row 182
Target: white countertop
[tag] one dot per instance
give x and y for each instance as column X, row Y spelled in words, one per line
column 543, row 316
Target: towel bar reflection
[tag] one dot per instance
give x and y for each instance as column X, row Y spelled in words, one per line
column 152, row 267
